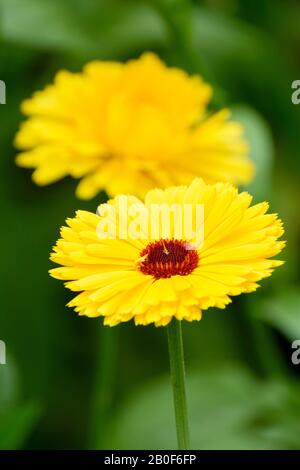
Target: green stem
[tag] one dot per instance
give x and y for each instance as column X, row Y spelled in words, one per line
column 104, row 386
column 178, row 383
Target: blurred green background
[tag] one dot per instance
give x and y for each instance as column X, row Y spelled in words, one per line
column 70, row 383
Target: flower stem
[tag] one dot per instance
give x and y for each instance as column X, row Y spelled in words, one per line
column 104, row 386
column 178, row 382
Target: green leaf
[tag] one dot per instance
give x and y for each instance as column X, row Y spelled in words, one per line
column 228, row 409
column 16, row 418
column 16, row 425
column 100, row 28
column 282, row 311
column 8, row 385
column 250, row 63
column 258, row 135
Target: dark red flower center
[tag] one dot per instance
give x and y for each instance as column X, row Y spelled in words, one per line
column 166, row 258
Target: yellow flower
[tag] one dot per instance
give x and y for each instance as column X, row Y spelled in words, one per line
column 128, row 128
column 153, row 278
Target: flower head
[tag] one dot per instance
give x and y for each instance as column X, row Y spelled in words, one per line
column 128, row 128
column 151, row 266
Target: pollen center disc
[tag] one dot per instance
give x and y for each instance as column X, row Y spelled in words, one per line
column 166, row 258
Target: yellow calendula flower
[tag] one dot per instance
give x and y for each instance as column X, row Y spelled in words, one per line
column 128, row 128
column 183, row 250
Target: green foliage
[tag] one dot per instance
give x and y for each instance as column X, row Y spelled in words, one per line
column 282, row 311
column 17, row 418
column 102, row 28
column 228, row 408
column 259, row 137
column 251, row 55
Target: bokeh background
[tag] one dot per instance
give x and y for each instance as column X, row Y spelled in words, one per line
column 70, row 383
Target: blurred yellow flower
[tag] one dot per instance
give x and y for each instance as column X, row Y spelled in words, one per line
column 152, row 279
column 128, row 128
